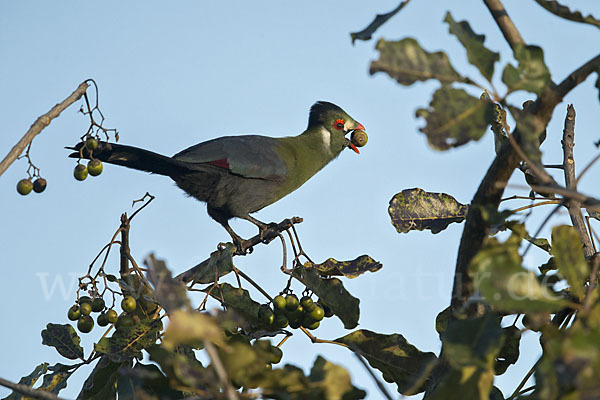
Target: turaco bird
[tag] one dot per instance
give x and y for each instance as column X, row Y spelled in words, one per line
column 239, row 175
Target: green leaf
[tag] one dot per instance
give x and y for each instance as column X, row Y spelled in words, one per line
column 349, row 269
column 532, row 75
column 498, row 275
column 519, row 229
column 416, row 209
column 570, row 260
column 509, row 353
column 399, row 361
column 182, row 367
column 477, row 54
column 334, row 380
column 564, row 12
column 145, row 382
column 326, row 381
column 379, row 20
column 219, row 264
column 168, row 292
column 102, row 382
column 473, row 342
column 407, row 62
column 64, row 339
column 239, row 300
column 469, row 382
column 56, row 381
column 454, row 118
column 128, row 342
column 192, row 328
column 29, row 380
column 331, row 291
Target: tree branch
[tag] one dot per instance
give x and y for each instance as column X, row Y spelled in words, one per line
column 269, row 235
column 39, row 124
column 492, row 186
column 574, row 206
column 27, row 391
column 506, row 25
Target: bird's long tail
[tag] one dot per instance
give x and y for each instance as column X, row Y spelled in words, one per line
column 131, row 157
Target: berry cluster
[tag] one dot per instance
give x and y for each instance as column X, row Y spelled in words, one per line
column 94, row 166
column 86, row 305
column 290, row 311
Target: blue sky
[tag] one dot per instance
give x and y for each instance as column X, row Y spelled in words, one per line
column 173, row 75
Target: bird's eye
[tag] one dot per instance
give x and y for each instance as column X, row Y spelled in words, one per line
column 338, row 124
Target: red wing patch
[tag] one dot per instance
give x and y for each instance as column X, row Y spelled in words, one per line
column 222, row 163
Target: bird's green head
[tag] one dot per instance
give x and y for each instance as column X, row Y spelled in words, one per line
column 332, row 124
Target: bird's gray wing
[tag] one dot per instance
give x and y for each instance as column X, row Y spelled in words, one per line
column 250, row 156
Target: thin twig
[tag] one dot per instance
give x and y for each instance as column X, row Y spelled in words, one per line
column 220, row 370
column 574, row 207
column 29, row 392
column 378, row 382
column 524, row 380
column 39, row 124
column 251, row 281
column 541, row 203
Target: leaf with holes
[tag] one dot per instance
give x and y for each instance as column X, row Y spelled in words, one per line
column 349, row 269
column 331, row 292
column 64, row 339
column 531, row 75
column 477, row 54
column 56, row 380
column 509, row 353
column 416, row 209
column 399, row 361
column 454, row 118
column 407, row 62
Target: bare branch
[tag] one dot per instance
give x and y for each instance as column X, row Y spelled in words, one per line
column 506, row 25
column 39, row 124
column 574, row 207
column 29, row 392
column 220, row 370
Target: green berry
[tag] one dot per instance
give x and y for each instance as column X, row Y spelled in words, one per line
column 266, row 315
column 128, row 304
column 24, row 187
column 94, row 167
column 91, row 144
column 98, row 304
column 80, row 172
column 85, row 324
column 39, row 185
column 74, row 313
column 291, row 302
column 317, row 313
column 281, row 321
column 85, row 308
column 312, row 326
column 276, row 354
column 279, row 302
column 102, row 319
column 359, row 138
column 85, row 299
column 307, row 303
column 112, row 316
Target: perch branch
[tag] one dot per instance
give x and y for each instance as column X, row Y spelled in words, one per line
column 39, row 124
column 506, row 25
column 270, row 234
column 27, row 391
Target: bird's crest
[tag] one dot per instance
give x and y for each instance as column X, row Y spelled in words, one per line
column 320, row 110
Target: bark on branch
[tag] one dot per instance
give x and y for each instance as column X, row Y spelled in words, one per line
column 39, row 124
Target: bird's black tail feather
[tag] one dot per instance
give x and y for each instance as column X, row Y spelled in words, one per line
column 131, row 157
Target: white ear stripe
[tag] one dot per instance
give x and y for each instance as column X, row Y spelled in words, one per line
column 326, row 137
